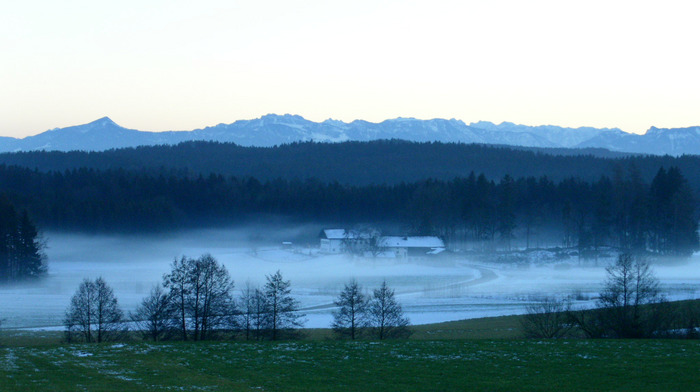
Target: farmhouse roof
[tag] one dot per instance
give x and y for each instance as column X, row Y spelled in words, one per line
column 342, row 234
column 333, row 234
column 411, row 242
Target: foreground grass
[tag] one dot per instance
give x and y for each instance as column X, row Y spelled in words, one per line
column 486, row 354
column 505, row 327
column 440, row 365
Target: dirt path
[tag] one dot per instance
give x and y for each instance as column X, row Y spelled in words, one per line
column 487, row 275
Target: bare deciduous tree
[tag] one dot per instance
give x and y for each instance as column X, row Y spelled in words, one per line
column 547, row 319
column 211, row 304
column 94, row 314
column 589, row 321
column 260, row 313
column 201, row 295
column 253, row 310
column 376, row 246
column 630, row 285
column 351, row 315
column 630, row 304
column 178, row 285
column 155, row 317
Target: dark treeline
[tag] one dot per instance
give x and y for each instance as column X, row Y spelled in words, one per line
column 358, row 163
column 21, row 255
column 621, row 211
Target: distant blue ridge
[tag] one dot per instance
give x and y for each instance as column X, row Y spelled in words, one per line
column 271, row 129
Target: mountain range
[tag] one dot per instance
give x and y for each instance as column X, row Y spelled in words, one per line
column 271, row 129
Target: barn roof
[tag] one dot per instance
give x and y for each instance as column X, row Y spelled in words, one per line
column 342, row 234
column 334, row 234
column 411, row 242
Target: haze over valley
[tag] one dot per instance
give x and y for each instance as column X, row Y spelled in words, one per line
column 518, row 225
column 443, row 195
column 444, row 288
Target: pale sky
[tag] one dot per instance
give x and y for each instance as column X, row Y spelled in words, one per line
column 179, row 65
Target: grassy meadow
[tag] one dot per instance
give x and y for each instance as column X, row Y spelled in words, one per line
column 413, row 365
column 471, row 355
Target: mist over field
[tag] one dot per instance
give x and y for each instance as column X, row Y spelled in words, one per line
column 430, row 289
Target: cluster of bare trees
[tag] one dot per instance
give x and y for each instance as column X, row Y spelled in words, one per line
column 194, row 302
column 199, row 292
column 630, row 305
column 94, row 315
column 379, row 316
column 270, row 311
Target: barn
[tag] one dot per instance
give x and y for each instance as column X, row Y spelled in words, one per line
column 345, row 241
column 411, row 246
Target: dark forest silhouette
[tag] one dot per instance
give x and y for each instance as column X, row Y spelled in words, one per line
column 21, row 255
column 621, row 211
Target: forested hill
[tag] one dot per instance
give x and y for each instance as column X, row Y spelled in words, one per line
column 357, row 163
column 622, row 211
column 646, row 203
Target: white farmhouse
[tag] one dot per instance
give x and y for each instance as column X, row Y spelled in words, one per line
column 332, row 240
column 341, row 240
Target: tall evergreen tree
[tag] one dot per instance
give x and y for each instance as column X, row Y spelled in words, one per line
column 282, row 308
column 386, row 317
column 21, row 249
column 29, row 248
column 674, row 223
column 351, row 316
column 505, row 213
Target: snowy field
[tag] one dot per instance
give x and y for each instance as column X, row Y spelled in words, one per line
column 429, row 290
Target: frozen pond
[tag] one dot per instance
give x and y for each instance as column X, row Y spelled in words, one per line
column 429, row 290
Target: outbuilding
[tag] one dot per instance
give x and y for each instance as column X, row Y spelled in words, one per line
column 411, row 246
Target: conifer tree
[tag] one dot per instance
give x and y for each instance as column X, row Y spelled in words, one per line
column 282, row 308
column 386, row 316
column 351, row 316
column 21, row 249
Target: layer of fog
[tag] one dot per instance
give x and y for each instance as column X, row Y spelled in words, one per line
column 430, row 290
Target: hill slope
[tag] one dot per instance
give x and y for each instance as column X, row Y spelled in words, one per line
column 356, row 163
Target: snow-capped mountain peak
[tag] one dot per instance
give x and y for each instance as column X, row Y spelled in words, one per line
column 272, row 129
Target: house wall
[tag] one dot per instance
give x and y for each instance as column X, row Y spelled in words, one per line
column 400, row 252
column 332, row 246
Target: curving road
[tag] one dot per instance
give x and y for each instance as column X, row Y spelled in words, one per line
column 487, row 275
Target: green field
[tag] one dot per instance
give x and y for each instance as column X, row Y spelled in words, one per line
column 413, row 365
column 471, row 355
